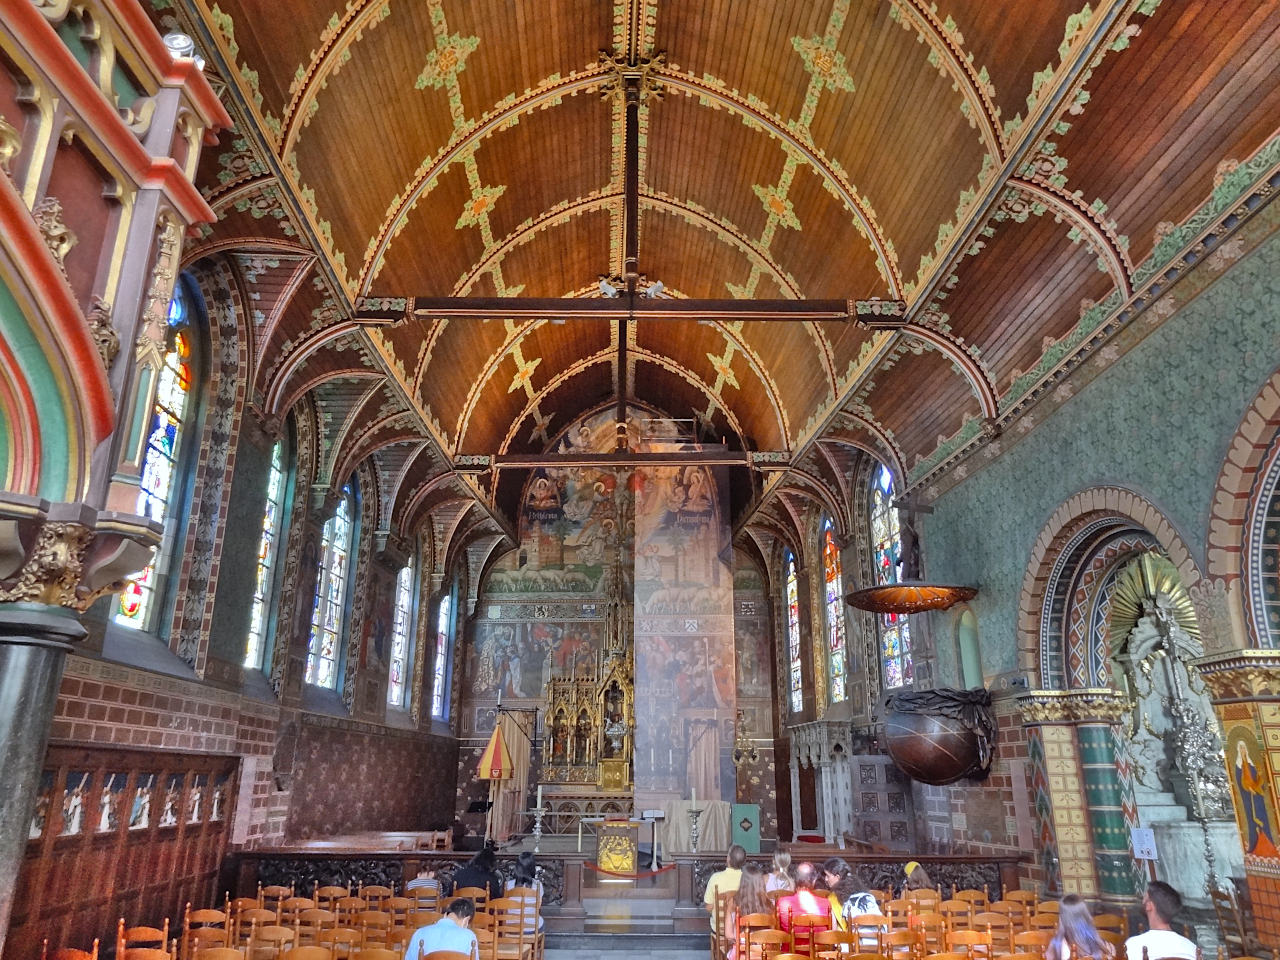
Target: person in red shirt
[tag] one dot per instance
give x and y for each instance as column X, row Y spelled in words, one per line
column 802, row 901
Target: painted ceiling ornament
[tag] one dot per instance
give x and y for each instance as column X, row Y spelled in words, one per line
column 10, row 144
column 104, row 334
column 480, row 205
column 446, row 61
column 57, row 235
column 824, row 61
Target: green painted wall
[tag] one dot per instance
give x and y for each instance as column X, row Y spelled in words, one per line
column 1158, row 422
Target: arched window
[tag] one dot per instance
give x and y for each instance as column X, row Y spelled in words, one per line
column 401, row 627
column 260, row 613
column 895, row 634
column 440, row 673
column 835, row 610
column 161, row 482
column 793, row 635
column 329, row 613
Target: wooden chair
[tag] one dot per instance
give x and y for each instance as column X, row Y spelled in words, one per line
column 833, row 944
column 206, row 927
column 979, row 898
column 803, row 927
column 957, row 913
column 399, row 938
column 477, row 895
column 770, row 943
column 924, row 893
column 1000, row 928
column 374, row 927
column 307, row 953
column 1029, row 900
column 1009, row 909
column 376, row 953
column 932, row 929
column 1112, row 921
column 1032, row 941
column 1042, row 921
column 748, row 922
column 374, row 895
column 1050, row 906
column 291, row 907
column 401, row 910
column 866, row 930
column 325, row 897
column 247, row 926
column 1114, row 938
column 310, row 923
column 899, row 912
column 128, row 938
column 945, row 956
column 508, row 925
column 530, row 899
column 347, row 909
column 486, row 943
column 68, row 953
column 976, row 944
column 271, row 896
column 901, row 944
column 446, row 955
column 341, row 941
column 790, row 956
column 1027, row 956
column 219, row 953
column 721, row 935
column 270, row 941
column 145, row 953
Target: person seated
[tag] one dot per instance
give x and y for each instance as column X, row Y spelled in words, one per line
column 526, row 875
column 481, row 871
column 848, row 899
column 724, row 881
column 1161, row 904
column 1076, row 937
column 450, row 932
column 803, row 901
column 780, row 877
column 916, row 878
column 749, row 899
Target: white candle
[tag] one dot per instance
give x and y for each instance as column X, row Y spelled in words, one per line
column 539, row 796
column 695, row 797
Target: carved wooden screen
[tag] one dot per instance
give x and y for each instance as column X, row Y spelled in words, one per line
column 115, row 834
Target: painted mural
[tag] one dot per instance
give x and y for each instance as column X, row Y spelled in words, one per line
column 1253, row 791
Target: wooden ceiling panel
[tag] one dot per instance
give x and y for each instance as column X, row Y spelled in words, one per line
column 900, row 134
column 561, row 258
column 829, row 256
column 1208, row 75
column 276, row 47
column 921, row 399
column 799, row 364
column 587, row 387
column 689, row 254
column 1011, row 41
column 431, row 254
column 540, row 165
column 668, row 391
column 1026, row 285
column 681, row 127
column 745, row 45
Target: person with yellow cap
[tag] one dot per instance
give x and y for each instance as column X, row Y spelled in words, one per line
column 916, row 877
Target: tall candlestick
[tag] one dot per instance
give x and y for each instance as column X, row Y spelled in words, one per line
column 695, row 797
column 539, row 796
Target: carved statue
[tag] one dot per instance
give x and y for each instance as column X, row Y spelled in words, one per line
column 57, row 235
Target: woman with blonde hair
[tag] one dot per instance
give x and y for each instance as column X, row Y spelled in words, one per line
column 748, row 899
column 1076, row 937
column 780, row 877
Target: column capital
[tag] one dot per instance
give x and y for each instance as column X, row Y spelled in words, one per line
column 1085, row 705
column 68, row 554
column 1241, row 674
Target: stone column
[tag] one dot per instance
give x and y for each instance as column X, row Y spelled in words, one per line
column 34, row 641
column 796, row 826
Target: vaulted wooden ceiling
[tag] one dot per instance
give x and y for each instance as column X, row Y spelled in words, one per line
column 1002, row 167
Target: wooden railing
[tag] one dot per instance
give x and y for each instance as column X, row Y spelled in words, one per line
column 563, row 875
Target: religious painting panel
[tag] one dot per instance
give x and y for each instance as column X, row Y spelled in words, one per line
column 1253, row 789
column 686, row 674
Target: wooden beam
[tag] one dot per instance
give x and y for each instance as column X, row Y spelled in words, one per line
column 673, row 458
column 380, row 310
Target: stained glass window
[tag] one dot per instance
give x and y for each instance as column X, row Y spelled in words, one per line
column 835, row 611
column 331, row 594
column 895, row 633
column 158, row 482
column 441, row 669
column 793, row 636
column 400, row 638
column 260, row 613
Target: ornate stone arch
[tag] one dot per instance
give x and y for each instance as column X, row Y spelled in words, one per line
column 1081, row 526
column 1246, row 486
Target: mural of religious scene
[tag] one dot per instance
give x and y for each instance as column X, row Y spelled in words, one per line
column 1252, row 791
column 111, row 801
column 44, row 799
column 140, row 813
column 169, row 810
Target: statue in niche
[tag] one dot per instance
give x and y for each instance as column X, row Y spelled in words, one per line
column 582, row 740
column 615, row 723
column 559, row 739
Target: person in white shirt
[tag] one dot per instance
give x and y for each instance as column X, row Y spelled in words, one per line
column 1160, row 903
column 450, row 932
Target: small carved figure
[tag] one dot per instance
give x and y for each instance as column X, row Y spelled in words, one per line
column 57, row 235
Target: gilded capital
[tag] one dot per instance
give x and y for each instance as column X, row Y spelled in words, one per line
column 1241, row 674
column 1085, row 705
